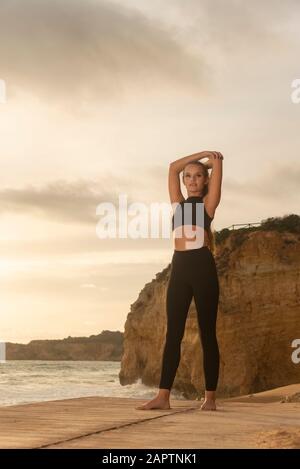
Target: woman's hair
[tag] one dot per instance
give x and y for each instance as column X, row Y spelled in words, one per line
column 211, row 235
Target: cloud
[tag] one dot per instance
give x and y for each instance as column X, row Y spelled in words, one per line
column 234, row 26
column 86, row 50
column 279, row 183
column 60, row 200
column 76, row 201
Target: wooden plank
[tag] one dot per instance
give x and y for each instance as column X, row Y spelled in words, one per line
column 109, row 422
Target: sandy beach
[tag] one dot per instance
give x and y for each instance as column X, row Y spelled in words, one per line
column 270, row 419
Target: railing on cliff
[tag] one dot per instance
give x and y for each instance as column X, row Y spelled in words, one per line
column 243, row 224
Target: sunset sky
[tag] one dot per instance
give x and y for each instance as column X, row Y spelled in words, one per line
column 100, row 97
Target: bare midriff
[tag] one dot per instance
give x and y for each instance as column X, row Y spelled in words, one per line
column 181, row 242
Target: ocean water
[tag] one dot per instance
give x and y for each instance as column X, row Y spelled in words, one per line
column 24, row 381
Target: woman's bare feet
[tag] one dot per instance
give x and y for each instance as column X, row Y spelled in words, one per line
column 161, row 401
column 208, row 405
column 209, row 401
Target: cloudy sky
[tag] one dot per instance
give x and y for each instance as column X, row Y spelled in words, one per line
column 100, row 97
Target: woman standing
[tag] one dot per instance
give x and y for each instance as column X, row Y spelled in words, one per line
column 193, row 272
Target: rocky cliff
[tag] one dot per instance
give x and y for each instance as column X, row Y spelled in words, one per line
column 258, row 318
column 105, row 346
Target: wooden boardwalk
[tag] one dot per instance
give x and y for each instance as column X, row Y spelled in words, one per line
column 260, row 420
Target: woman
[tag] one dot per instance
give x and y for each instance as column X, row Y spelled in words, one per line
column 193, row 272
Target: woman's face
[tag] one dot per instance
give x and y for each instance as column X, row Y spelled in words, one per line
column 194, row 179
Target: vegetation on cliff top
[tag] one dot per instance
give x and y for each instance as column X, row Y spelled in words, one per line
column 287, row 223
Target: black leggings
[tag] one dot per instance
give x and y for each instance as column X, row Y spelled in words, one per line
column 193, row 273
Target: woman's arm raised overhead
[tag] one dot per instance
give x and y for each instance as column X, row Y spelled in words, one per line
column 179, row 164
column 213, row 197
column 175, row 168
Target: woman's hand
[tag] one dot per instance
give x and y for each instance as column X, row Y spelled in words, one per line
column 214, row 155
column 178, row 165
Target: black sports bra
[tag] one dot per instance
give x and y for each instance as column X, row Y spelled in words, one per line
column 185, row 213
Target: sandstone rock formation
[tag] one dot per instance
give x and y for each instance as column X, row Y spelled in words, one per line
column 258, row 318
